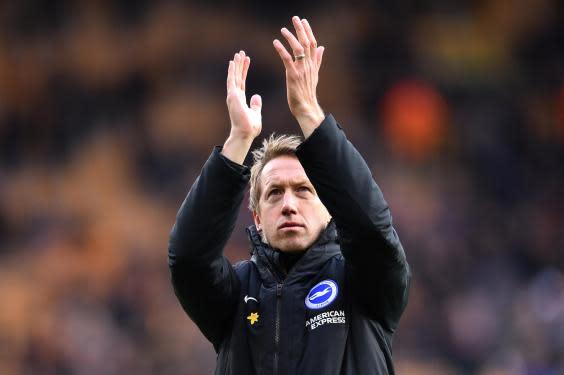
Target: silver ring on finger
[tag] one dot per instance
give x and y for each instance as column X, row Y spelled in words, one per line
column 300, row 57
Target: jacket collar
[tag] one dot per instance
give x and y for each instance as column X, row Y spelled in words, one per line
column 267, row 258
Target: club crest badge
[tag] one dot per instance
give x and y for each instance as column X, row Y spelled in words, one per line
column 322, row 294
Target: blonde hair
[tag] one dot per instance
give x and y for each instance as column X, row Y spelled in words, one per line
column 273, row 147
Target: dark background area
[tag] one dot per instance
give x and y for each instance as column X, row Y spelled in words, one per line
column 108, row 109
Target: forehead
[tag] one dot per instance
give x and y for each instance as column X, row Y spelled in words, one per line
column 283, row 169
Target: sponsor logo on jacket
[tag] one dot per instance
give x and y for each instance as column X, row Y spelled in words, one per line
column 328, row 317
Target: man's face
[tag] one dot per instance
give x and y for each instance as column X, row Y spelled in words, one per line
column 290, row 214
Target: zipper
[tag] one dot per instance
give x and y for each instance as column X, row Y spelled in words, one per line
column 277, row 325
column 279, row 278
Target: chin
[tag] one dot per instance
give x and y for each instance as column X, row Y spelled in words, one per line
column 291, row 245
column 291, row 249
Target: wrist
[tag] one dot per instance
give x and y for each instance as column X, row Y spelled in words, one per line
column 240, row 137
column 236, row 147
column 309, row 120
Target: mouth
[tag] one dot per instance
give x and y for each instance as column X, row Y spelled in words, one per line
column 290, row 225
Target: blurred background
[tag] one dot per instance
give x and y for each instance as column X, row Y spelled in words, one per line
column 108, row 109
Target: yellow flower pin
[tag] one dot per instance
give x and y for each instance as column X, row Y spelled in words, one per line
column 253, row 318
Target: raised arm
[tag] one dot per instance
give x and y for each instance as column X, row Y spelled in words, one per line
column 203, row 279
column 344, row 183
column 374, row 255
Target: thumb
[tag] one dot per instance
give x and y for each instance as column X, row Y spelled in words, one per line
column 256, row 103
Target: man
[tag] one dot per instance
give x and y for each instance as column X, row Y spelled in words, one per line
column 328, row 278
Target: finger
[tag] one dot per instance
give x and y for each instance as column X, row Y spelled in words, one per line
column 230, row 76
column 236, row 71
column 310, row 37
column 246, row 63
column 284, row 54
column 295, row 45
column 242, row 58
column 300, row 32
column 319, row 56
column 256, row 103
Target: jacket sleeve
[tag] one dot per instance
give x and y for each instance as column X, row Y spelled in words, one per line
column 374, row 256
column 204, row 281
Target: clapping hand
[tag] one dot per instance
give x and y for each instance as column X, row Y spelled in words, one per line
column 246, row 120
column 302, row 74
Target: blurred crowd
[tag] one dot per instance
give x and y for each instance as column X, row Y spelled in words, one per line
column 108, row 110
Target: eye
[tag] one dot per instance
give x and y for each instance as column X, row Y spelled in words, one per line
column 304, row 189
column 274, row 191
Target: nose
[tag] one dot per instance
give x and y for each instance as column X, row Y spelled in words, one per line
column 289, row 204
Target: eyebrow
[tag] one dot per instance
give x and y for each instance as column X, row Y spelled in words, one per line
column 278, row 183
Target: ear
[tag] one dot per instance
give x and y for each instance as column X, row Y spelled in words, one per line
column 256, row 218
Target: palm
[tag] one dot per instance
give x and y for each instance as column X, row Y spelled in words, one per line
column 246, row 120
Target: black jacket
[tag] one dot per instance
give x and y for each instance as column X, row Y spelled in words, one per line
column 336, row 310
